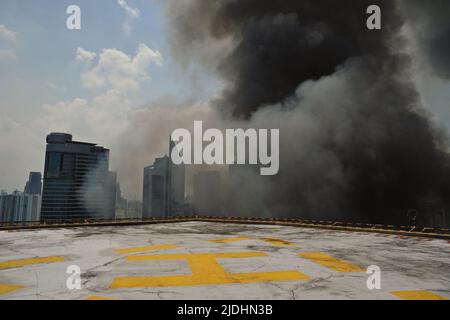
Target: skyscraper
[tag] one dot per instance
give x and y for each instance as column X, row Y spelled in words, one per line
column 77, row 183
column 7, row 207
column 34, row 184
column 155, row 191
column 164, row 188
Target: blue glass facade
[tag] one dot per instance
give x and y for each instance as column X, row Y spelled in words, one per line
column 77, row 183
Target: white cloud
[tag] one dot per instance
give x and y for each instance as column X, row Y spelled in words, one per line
column 84, row 55
column 120, row 71
column 6, row 54
column 132, row 14
column 98, row 119
column 7, row 34
column 104, row 116
column 101, row 119
column 51, row 85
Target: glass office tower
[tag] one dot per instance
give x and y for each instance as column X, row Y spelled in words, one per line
column 77, row 181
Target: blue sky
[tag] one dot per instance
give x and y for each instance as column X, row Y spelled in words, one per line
column 45, row 48
column 43, row 87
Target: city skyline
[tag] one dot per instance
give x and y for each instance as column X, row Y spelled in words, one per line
column 108, row 110
column 342, row 96
column 69, row 187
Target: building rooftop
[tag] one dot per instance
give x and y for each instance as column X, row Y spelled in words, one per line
column 65, row 138
column 202, row 260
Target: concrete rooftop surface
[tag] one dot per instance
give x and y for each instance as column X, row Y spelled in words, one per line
column 200, row 260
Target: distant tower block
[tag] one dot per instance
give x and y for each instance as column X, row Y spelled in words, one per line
column 164, row 188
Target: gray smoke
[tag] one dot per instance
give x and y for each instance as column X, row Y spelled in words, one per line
column 356, row 143
column 274, row 46
column 430, row 23
column 147, row 137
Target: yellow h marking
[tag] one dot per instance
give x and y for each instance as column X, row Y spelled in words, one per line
column 273, row 241
column 277, row 242
column 205, row 271
column 7, row 288
column 235, row 239
column 145, row 249
column 330, row 262
column 26, row 262
column 98, row 298
column 417, row 295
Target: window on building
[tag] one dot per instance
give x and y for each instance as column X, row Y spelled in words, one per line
column 53, row 165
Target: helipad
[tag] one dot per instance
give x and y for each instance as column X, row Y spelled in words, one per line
column 200, row 260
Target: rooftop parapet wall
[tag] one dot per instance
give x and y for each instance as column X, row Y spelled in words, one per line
column 326, row 225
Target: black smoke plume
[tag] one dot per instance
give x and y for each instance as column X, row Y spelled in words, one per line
column 355, row 141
